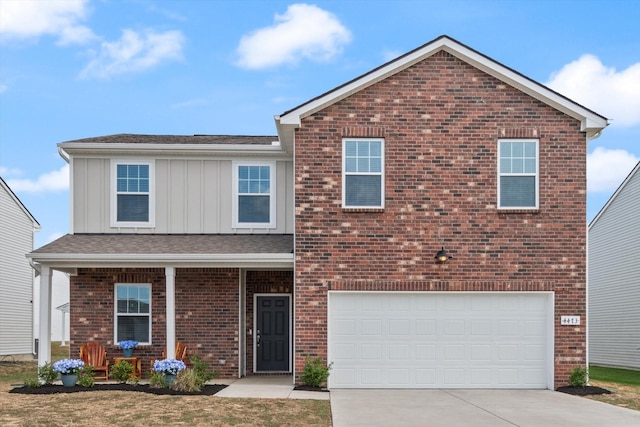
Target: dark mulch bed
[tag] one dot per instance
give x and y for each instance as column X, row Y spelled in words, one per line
column 583, row 391
column 208, row 390
column 309, row 388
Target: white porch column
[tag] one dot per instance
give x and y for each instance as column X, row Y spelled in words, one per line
column 44, row 334
column 170, row 277
column 64, row 328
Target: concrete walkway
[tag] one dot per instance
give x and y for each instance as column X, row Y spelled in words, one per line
column 495, row 408
column 268, row 386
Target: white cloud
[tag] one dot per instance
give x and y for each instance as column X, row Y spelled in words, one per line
column 614, row 94
column 606, row 169
column 3, row 88
column 304, row 31
column 51, row 181
column 54, row 236
column 6, row 172
column 25, row 19
column 135, row 52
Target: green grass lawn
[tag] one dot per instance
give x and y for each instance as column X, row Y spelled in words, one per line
column 616, row 375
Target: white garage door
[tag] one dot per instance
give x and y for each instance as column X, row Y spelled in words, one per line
column 440, row 340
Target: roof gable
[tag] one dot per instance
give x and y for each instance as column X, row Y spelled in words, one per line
column 635, row 171
column 591, row 123
column 15, row 198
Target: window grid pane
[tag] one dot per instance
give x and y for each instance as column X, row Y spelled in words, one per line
column 254, row 179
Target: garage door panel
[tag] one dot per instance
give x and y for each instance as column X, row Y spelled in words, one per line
column 438, row 340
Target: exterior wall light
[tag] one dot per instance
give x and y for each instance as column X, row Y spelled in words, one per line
column 442, row 256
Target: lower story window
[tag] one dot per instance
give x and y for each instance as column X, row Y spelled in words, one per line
column 133, row 313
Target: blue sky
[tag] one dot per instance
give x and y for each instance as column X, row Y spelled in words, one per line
column 80, row 68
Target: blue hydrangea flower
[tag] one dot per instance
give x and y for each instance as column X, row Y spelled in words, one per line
column 127, row 344
column 168, row 366
column 68, row 366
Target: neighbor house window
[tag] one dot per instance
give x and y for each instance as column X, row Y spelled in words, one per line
column 363, row 173
column 133, row 313
column 132, row 195
column 518, row 179
column 254, row 200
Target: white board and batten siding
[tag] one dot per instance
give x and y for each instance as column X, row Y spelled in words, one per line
column 441, row 340
column 614, row 279
column 191, row 196
column 16, row 275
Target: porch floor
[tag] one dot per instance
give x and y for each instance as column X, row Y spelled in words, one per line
column 266, row 387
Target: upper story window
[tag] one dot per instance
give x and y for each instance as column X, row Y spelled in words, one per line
column 254, row 195
column 363, row 173
column 518, row 176
column 132, row 195
column 133, row 313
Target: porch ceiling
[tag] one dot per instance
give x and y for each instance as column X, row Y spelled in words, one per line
column 176, row 250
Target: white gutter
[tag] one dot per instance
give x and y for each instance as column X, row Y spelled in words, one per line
column 258, row 260
column 88, row 147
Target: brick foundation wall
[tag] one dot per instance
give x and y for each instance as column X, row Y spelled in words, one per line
column 441, row 120
column 206, row 312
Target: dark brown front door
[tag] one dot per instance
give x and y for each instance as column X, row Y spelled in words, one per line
column 272, row 333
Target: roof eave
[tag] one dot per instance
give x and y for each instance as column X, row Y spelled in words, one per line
column 65, row 261
column 71, row 148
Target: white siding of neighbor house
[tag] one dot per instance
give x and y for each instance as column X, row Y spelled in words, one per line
column 192, row 196
column 16, row 277
column 614, row 279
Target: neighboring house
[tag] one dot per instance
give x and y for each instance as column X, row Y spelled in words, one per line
column 17, row 227
column 258, row 252
column 614, row 278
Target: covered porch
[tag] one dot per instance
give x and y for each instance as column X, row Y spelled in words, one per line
column 202, row 290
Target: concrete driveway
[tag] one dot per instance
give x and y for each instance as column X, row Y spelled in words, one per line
column 544, row 408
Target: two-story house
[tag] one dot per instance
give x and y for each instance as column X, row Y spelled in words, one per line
column 258, row 252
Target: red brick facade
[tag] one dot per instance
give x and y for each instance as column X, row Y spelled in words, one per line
column 441, row 120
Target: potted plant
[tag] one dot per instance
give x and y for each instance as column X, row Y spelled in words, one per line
column 127, row 347
column 169, row 368
column 68, row 370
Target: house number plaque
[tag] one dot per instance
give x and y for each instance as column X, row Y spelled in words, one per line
column 569, row 320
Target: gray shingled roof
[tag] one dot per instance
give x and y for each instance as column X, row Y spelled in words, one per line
column 180, row 244
column 125, row 138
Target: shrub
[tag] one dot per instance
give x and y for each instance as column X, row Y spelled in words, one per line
column 578, row 377
column 122, row 371
column 86, row 376
column 32, row 382
column 188, row 380
column 202, row 368
column 46, row 373
column 315, row 372
column 157, row 380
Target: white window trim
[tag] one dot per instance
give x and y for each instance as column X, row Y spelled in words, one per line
column 381, row 174
column 116, row 314
column 114, row 194
column 535, row 175
column 272, row 195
